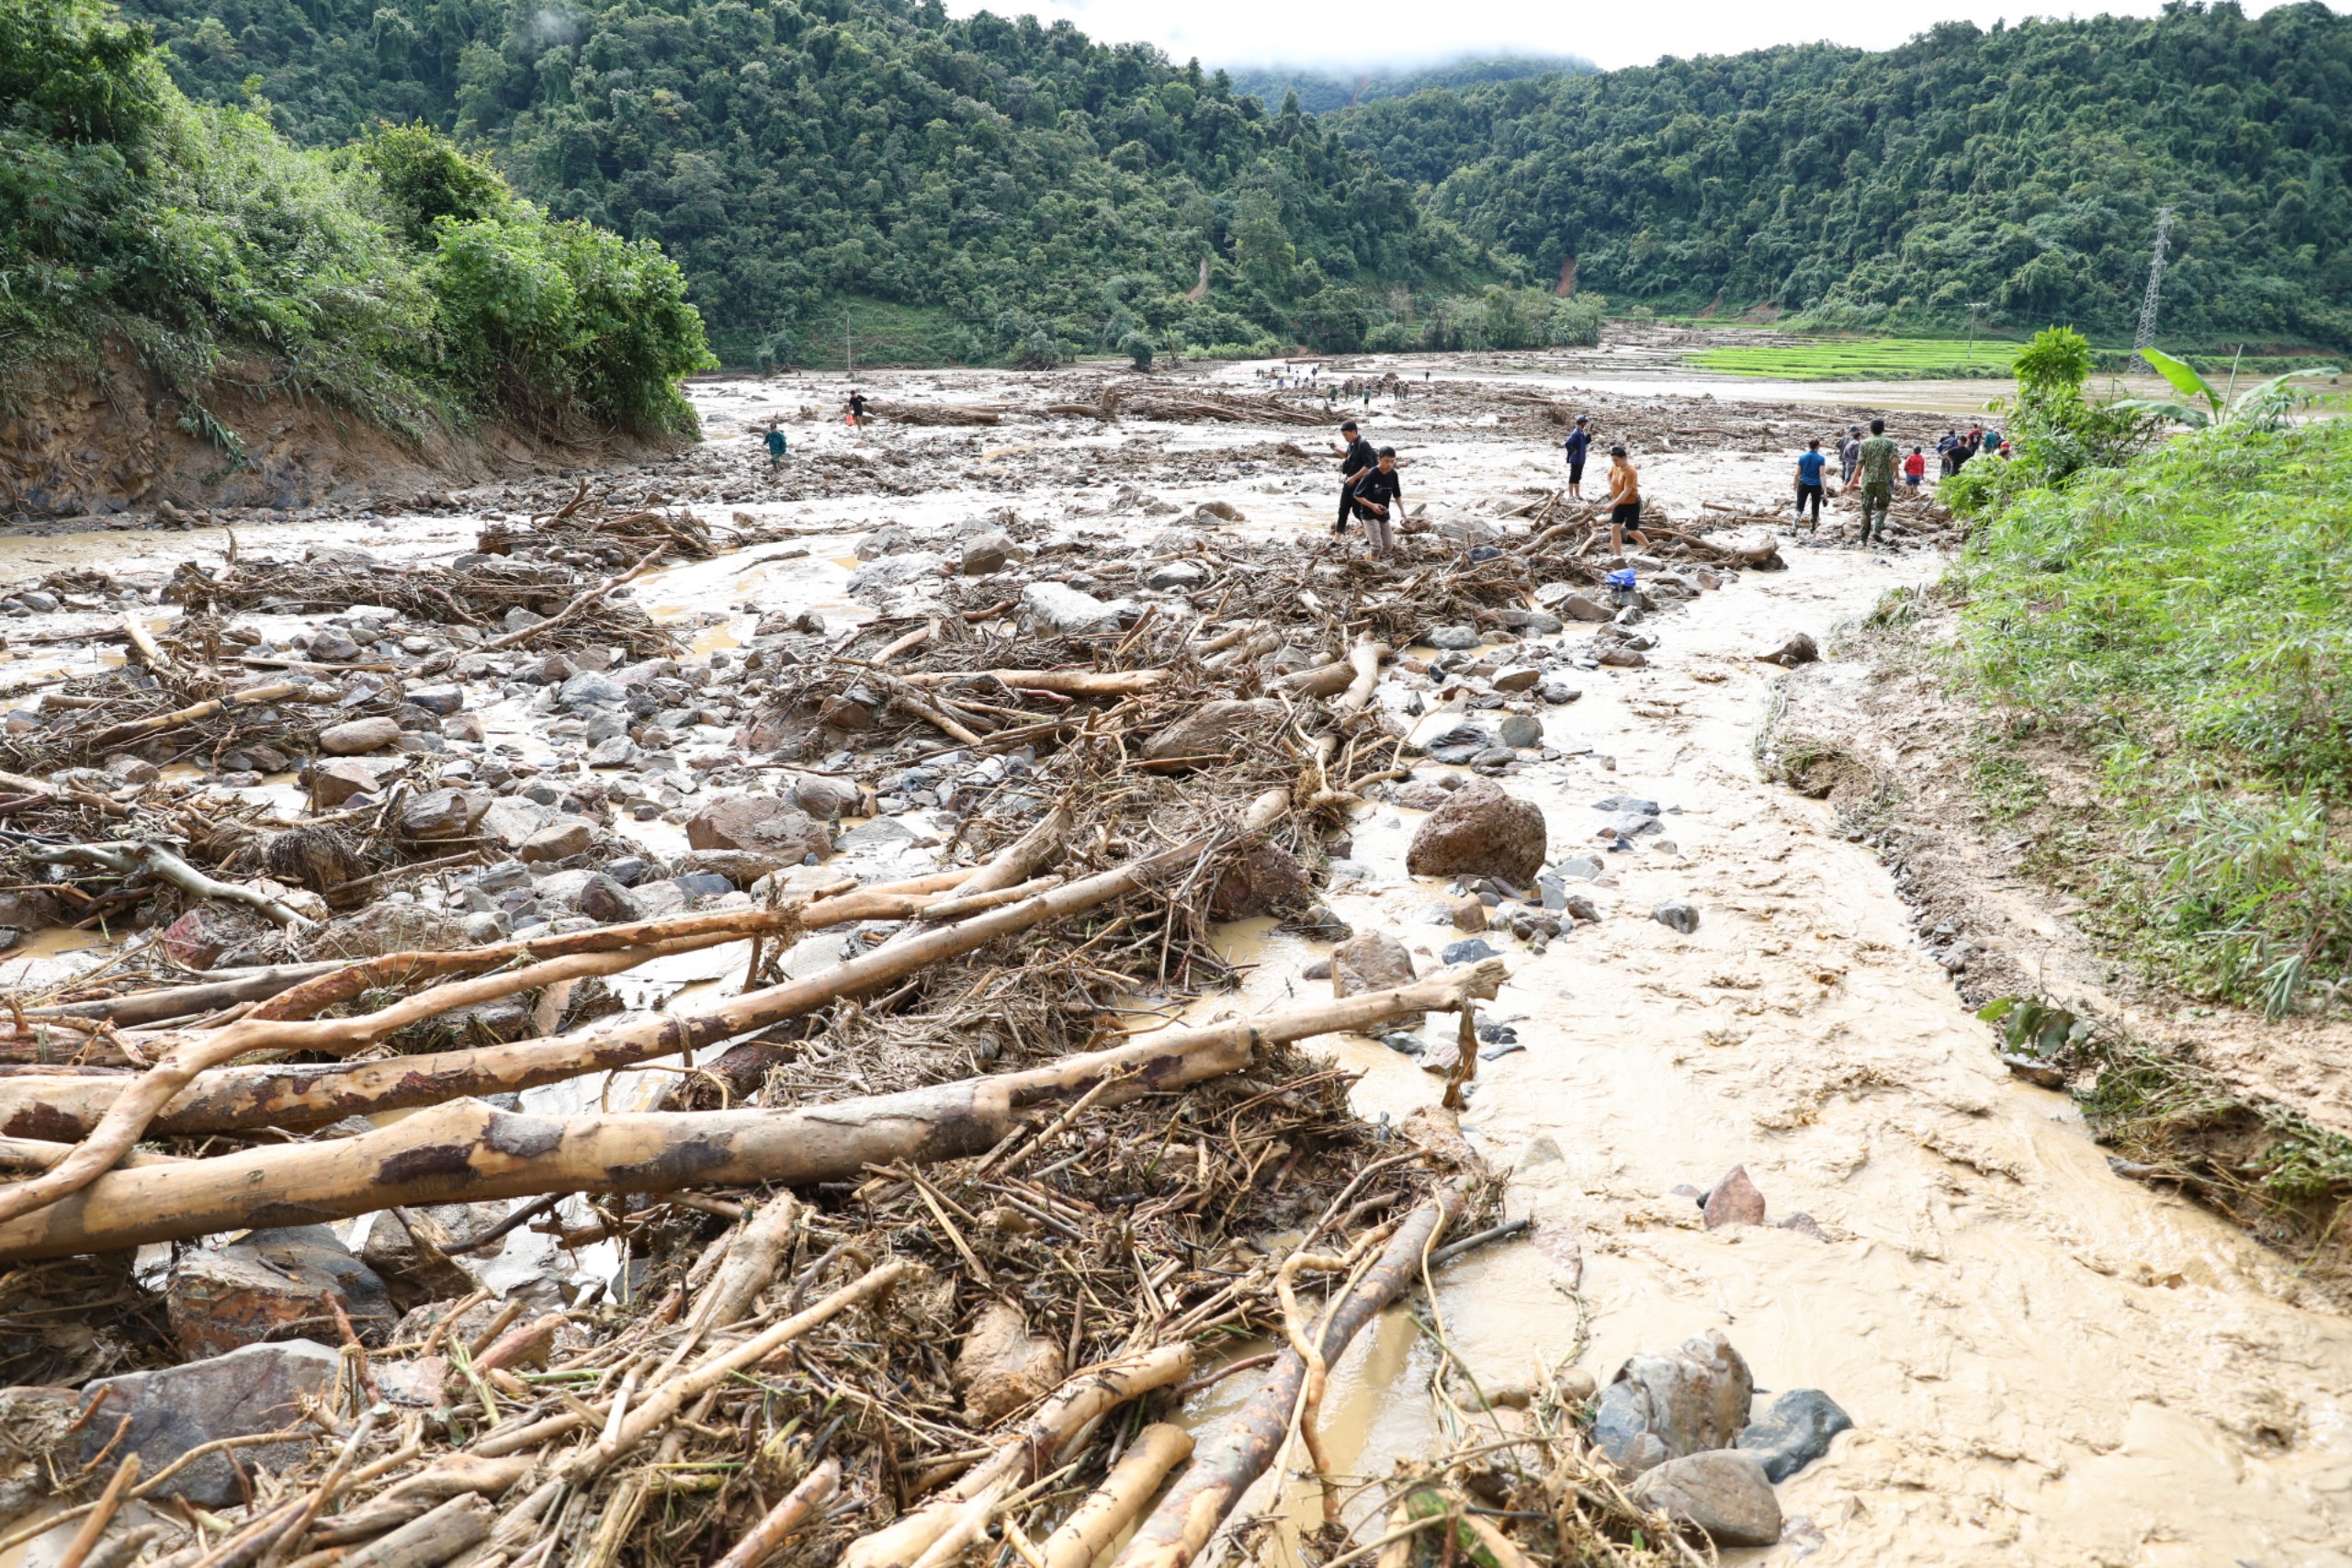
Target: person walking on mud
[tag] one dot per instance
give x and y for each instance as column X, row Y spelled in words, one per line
column 1813, row 477
column 1625, row 504
column 856, row 410
column 1876, row 461
column 1850, row 456
column 1578, row 445
column 777, row 443
column 1379, row 495
column 1356, row 457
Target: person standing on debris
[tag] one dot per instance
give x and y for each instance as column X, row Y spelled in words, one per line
column 778, row 445
column 1379, row 496
column 1876, row 462
column 1356, row 457
column 1578, row 445
column 1624, row 502
column 856, row 419
column 1946, row 444
column 1812, row 480
column 1915, row 469
column 1849, row 456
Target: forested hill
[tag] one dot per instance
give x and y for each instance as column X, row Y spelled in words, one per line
column 2021, row 167
column 1320, row 92
column 1017, row 187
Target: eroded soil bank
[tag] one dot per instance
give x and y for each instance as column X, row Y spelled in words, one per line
column 2044, row 1362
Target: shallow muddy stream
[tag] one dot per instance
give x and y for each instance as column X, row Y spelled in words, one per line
column 2045, row 1364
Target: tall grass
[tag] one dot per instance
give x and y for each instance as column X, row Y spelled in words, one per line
column 2189, row 620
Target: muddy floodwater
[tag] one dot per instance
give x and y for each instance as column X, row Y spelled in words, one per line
column 2044, row 1362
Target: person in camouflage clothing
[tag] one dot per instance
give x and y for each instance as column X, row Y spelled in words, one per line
column 1877, row 477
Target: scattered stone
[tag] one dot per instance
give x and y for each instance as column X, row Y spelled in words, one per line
column 409, row 1256
column 606, row 902
column 1480, row 830
column 512, row 819
column 986, row 552
column 260, row 1388
column 332, row 784
column 1723, row 1494
column 1733, row 1202
column 1176, row 575
column 760, row 823
column 894, row 571
column 1454, row 639
column 1471, row 950
column 1559, row 693
column 1516, row 678
column 1576, row 607
column 200, row 938
column 739, row 868
column 1002, row 1366
column 1519, row 729
column 1541, row 1150
column 1620, row 657
column 441, row 814
column 441, row 700
column 1663, row 1407
column 1583, row 868
column 560, row 839
column 1470, row 913
column 359, row 737
column 269, row 1285
column 588, row 690
column 1373, row 961
column 1793, row 1431
column 1803, row 1225
column 1677, row 914
column 1797, row 648
column 1058, row 607
column 1533, row 622
column 332, row 645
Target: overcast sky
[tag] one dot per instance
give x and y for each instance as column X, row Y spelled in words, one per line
column 1355, row 33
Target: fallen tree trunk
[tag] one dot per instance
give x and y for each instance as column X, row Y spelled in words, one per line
column 1231, row 1460
column 182, row 1001
column 468, row 1151
column 1095, row 1524
column 1068, row 682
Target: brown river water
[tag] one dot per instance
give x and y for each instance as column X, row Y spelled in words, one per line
column 2045, row 1364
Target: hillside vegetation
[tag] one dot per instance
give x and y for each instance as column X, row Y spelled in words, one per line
column 2020, row 169
column 1320, row 92
column 394, row 277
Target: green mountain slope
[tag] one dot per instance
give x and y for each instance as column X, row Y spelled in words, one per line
column 396, row 277
column 1320, row 92
column 2021, row 168
column 1023, row 186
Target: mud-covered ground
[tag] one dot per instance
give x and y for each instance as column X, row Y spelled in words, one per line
column 2045, row 1363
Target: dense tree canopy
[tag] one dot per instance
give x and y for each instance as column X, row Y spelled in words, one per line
column 2020, row 168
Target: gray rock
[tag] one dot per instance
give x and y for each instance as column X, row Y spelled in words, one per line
column 702, row 884
column 1176, row 575
column 332, row 645
column 1795, row 648
column 895, row 571
column 1583, row 868
column 1519, row 729
column 606, row 902
column 762, row 823
column 1454, row 639
column 821, row 796
column 258, row 1389
column 1794, row 1431
column 1373, row 961
column 1056, row 607
column 613, row 751
column 1723, row 1494
column 358, row 737
column 442, row 700
column 1663, row 1407
column 441, row 814
column 1576, row 607
column 1559, row 693
column 1627, row 802
column 1516, row 678
column 1469, row 950
column 1541, row 622
column 1620, row 657
column 589, row 689
column 35, row 600
column 512, row 819
column 1678, row 914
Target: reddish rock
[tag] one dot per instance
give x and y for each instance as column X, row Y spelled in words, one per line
column 197, row 939
column 1734, row 1202
column 1480, row 832
column 359, row 737
column 1261, row 880
column 1373, row 961
column 273, row 1285
column 334, row 783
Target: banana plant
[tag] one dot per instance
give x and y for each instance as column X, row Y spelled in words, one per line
column 2264, row 400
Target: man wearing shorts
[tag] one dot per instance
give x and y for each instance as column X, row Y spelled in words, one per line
column 1812, row 480
column 1624, row 502
column 1579, row 444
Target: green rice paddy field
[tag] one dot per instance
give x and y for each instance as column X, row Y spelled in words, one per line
column 1865, row 359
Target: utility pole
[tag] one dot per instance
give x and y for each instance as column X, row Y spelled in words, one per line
column 1975, row 309
column 2146, row 333
column 849, row 344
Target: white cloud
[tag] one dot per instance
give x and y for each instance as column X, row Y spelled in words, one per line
column 1357, row 33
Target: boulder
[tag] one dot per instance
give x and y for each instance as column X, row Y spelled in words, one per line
column 356, row 737
column 441, row 814
column 986, row 552
column 442, row 701
column 589, row 689
column 1734, row 1202
column 824, row 797
column 334, row 783
column 1262, row 880
column 1452, row 639
column 606, row 901
column 1058, row 607
column 260, row 1388
column 1373, row 961
column 1723, row 1494
column 269, row 1283
column 1663, row 1407
column 561, row 839
column 1793, row 1432
column 512, row 819
column 1519, row 729
column 1002, row 1366
column 1480, row 830
column 1576, row 607
column 1795, row 648
column 1213, row 730
column 762, row 823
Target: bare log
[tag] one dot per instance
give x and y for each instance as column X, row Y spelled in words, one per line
column 1323, row 680
column 121, row 734
column 1234, row 1458
column 184, row 1001
column 776, row 1526
column 1364, row 659
column 432, row 1538
column 130, row 858
column 1069, row 683
column 1095, row 1524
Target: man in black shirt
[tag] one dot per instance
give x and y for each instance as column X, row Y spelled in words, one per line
column 1356, row 459
column 1378, row 493
column 1579, row 444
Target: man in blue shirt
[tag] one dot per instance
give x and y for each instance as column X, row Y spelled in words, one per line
column 1579, row 444
column 1810, row 474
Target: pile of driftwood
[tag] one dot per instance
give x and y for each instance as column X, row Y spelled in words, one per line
column 1180, row 404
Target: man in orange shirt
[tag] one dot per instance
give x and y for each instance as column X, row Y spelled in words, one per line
column 1624, row 502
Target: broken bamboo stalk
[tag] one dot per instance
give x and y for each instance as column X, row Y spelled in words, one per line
column 1231, row 1460
column 777, row 1525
